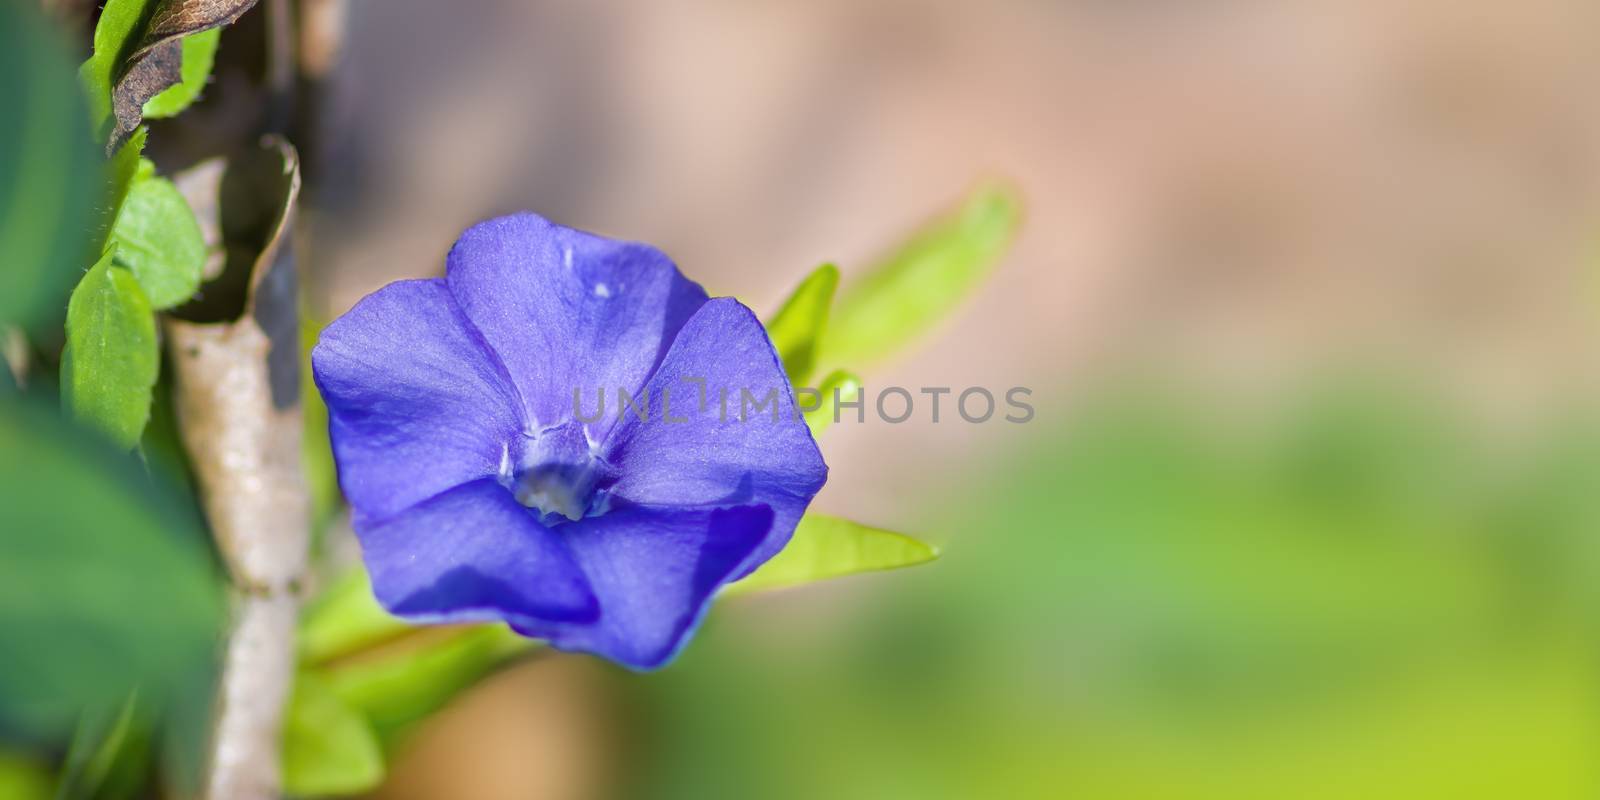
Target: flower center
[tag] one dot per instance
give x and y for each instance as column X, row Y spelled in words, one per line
column 560, row 475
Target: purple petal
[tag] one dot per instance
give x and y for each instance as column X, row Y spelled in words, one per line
column 717, row 455
column 566, row 310
column 416, row 404
column 654, row 571
column 473, row 554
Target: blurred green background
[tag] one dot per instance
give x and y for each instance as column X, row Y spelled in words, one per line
column 1364, row 602
column 1349, row 591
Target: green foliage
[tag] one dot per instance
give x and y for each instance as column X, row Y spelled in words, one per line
column 396, row 675
column 47, row 169
column 1161, row 601
column 109, row 754
column 157, row 237
column 199, row 51
column 839, row 387
column 24, row 779
column 120, row 171
column 798, row 325
column 116, row 35
column 346, row 618
column 104, row 581
column 390, row 671
column 898, row 300
column 407, row 679
column 328, row 748
column 826, row 547
column 112, row 358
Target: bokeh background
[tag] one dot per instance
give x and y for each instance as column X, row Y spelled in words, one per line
column 1307, row 298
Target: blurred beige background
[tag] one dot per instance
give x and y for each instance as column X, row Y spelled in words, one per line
column 1234, row 183
column 1229, row 189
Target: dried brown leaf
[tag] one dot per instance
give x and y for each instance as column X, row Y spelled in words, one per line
column 158, row 61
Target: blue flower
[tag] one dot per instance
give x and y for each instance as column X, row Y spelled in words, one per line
column 484, row 485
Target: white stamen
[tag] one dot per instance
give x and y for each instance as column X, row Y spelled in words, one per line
column 602, row 290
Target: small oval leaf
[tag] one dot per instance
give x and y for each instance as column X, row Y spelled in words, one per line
column 112, row 359
column 829, row 547
column 157, row 237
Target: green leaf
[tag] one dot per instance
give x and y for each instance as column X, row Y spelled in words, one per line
column 139, row 54
column 406, row 679
column 105, row 579
column 23, row 778
column 116, row 35
column 839, row 387
column 112, row 358
column 47, row 169
column 120, row 171
column 829, row 547
column 393, row 672
column 158, row 238
column 346, row 618
column 199, row 51
column 328, row 747
column 798, row 325
column 923, row 282
column 110, row 754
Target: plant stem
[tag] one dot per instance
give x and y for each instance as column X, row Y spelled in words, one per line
column 246, row 457
column 257, row 681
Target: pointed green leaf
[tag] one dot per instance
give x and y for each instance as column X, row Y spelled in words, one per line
column 199, row 51
column 328, row 747
column 401, row 682
column 839, row 387
column 919, row 285
column 798, row 325
column 112, row 360
column 391, row 671
column 158, row 238
column 346, row 618
column 829, row 547
column 48, row 165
